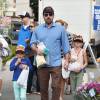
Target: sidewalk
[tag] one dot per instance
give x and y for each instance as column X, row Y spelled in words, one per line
column 7, row 93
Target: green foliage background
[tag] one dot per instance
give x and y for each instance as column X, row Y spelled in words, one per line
column 34, row 6
column 13, row 49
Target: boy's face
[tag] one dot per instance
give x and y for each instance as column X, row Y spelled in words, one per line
column 20, row 55
column 25, row 20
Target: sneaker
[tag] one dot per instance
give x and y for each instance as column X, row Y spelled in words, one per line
column 67, row 92
column 36, row 92
column 29, row 93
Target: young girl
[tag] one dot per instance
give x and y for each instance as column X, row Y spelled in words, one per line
column 79, row 60
column 17, row 65
column 65, row 81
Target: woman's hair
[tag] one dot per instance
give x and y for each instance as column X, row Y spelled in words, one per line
column 77, row 38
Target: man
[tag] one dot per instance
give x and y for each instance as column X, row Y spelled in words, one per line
column 24, row 33
column 24, row 36
column 53, row 36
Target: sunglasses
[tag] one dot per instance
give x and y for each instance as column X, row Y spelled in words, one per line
column 78, row 41
column 48, row 14
column 20, row 52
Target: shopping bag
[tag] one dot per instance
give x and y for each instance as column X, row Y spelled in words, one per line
column 73, row 66
column 40, row 60
column 65, row 73
column 22, row 80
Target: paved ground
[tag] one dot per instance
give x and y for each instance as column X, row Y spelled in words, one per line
column 8, row 91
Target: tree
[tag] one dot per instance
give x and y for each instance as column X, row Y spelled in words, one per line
column 3, row 7
column 34, row 7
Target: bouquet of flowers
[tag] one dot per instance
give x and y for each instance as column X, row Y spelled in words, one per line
column 89, row 91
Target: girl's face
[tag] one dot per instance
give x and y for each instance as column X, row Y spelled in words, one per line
column 78, row 44
column 20, row 55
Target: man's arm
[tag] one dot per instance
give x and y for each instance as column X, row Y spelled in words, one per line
column 33, row 42
column 34, row 48
column 37, row 50
column 65, row 48
column 67, row 58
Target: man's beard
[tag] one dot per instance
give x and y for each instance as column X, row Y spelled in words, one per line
column 49, row 21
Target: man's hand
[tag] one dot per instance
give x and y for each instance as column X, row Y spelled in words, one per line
column 39, row 51
column 27, row 40
column 65, row 65
column 66, row 62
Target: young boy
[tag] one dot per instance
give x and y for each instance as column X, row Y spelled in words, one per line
column 17, row 65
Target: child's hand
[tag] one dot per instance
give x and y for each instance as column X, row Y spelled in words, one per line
column 18, row 61
column 25, row 66
column 77, row 70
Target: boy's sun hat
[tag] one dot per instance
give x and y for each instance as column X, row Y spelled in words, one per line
column 20, row 48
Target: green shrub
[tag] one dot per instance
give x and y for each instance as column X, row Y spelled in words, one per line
column 13, row 48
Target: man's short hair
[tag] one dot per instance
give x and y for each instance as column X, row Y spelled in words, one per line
column 48, row 10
